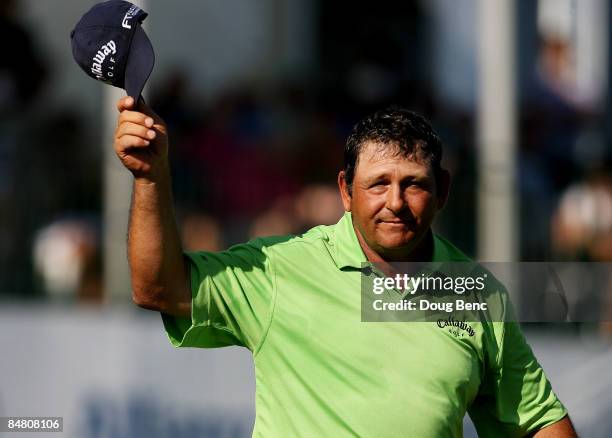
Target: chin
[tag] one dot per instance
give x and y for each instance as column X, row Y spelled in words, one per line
column 405, row 240
column 397, row 243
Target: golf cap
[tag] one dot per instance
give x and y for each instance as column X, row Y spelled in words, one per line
column 110, row 45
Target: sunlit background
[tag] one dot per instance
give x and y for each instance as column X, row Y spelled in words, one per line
column 259, row 97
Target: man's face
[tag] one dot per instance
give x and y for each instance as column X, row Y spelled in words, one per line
column 393, row 201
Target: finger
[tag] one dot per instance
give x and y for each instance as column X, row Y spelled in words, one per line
column 146, row 109
column 161, row 128
column 129, row 128
column 125, row 103
column 136, row 117
column 131, row 141
column 136, row 161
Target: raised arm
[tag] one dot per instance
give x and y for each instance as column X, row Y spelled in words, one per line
column 159, row 273
column 561, row 429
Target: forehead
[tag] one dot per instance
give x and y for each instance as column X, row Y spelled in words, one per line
column 379, row 158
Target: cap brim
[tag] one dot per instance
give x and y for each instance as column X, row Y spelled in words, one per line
column 139, row 63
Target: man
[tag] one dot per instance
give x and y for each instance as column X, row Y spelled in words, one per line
column 294, row 301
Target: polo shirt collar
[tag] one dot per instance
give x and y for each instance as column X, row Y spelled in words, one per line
column 440, row 251
column 347, row 251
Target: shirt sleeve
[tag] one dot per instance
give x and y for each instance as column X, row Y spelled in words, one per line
column 515, row 397
column 233, row 295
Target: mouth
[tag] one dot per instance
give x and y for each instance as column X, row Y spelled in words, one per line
column 397, row 223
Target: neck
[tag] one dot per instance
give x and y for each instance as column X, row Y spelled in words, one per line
column 423, row 252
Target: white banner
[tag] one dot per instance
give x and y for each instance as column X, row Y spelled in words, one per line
column 114, row 374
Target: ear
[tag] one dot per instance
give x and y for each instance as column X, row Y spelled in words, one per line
column 344, row 192
column 443, row 187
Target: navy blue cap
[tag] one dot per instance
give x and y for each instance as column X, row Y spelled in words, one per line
column 110, row 45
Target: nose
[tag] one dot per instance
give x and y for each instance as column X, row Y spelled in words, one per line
column 395, row 199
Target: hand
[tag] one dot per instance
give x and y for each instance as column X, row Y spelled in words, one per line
column 141, row 141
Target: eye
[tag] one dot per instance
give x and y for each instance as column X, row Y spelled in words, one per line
column 377, row 186
column 418, row 185
column 414, row 185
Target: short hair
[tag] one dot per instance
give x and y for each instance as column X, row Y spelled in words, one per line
column 409, row 133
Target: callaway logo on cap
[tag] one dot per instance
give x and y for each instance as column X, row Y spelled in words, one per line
column 110, row 45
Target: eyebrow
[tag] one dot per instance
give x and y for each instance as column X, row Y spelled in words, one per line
column 386, row 175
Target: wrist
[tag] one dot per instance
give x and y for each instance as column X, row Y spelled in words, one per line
column 160, row 177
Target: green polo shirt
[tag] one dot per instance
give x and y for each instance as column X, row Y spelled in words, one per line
column 294, row 301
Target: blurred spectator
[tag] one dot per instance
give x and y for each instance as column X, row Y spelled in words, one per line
column 22, row 70
column 55, row 178
column 238, row 166
column 66, row 258
column 173, row 101
column 551, row 128
column 582, row 223
column 318, row 204
column 555, row 66
column 201, row 232
column 22, row 76
column 582, row 230
column 276, row 221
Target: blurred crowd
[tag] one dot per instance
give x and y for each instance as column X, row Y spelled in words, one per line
column 261, row 157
